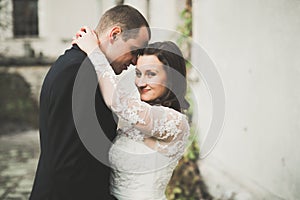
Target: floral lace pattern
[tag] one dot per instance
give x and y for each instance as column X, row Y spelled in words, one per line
column 168, row 126
column 137, row 171
column 136, row 165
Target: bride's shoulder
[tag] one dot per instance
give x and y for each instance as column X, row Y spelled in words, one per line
column 173, row 115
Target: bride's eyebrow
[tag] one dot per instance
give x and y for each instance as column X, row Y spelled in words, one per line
column 152, row 70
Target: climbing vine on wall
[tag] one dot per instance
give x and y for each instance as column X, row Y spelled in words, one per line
column 186, row 29
column 186, row 182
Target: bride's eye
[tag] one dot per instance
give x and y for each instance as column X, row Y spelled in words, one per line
column 138, row 74
column 150, row 74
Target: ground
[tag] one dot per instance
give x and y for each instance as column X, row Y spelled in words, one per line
column 18, row 155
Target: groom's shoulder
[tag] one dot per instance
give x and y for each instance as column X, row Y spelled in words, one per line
column 69, row 62
column 65, row 68
column 71, row 56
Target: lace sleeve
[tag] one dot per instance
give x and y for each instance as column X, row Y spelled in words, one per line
column 165, row 124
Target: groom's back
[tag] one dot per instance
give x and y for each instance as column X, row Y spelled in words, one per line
column 66, row 170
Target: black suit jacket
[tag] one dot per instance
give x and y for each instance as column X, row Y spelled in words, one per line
column 66, row 170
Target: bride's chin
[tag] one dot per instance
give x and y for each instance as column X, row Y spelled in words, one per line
column 143, row 98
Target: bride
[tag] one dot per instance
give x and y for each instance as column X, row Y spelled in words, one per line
column 152, row 129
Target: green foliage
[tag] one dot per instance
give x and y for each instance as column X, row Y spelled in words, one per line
column 184, row 41
column 186, row 182
column 17, row 108
column 186, row 27
column 183, row 184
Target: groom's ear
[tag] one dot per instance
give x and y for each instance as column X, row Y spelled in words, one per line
column 115, row 33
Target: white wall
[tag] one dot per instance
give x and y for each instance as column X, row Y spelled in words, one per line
column 141, row 5
column 63, row 18
column 256, row 47
column 58, row 23
column 161, row 15
column 59, row 20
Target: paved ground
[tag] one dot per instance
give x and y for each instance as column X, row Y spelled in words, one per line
column 18, row 161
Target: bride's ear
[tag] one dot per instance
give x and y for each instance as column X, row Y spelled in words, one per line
column 115, row 34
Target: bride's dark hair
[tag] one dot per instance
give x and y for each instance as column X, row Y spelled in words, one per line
column 174, row 64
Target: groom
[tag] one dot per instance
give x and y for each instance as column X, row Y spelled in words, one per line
column 66, row 170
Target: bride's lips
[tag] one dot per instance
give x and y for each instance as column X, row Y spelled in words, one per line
column 144, row 90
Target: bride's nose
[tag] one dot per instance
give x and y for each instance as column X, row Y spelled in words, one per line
column 140, row 82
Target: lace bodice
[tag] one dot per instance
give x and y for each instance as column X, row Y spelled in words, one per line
column 150, row 142
column 138, row 172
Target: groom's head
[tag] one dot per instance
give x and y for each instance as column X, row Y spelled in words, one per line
column 122, row 31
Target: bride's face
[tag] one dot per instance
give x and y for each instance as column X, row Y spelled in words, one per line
column 151, row 78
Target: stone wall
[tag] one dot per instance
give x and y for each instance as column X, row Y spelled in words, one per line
column 19, row 98
column 34, row 75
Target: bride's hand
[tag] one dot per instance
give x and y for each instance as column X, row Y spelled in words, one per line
column 86, row 39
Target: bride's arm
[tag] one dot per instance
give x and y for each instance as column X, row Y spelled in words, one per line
column 160, row 122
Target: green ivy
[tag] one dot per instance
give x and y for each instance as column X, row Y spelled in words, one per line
column 186, row 182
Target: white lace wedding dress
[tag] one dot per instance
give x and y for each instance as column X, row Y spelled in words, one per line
column 150, row 141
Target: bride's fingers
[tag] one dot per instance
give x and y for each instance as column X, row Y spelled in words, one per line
column 80, row 34
column 83, row 29
column 86, row 29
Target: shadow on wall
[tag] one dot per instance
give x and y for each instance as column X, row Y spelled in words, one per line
column 18, row 109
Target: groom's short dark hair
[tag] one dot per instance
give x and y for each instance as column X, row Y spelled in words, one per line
column 125, row 16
